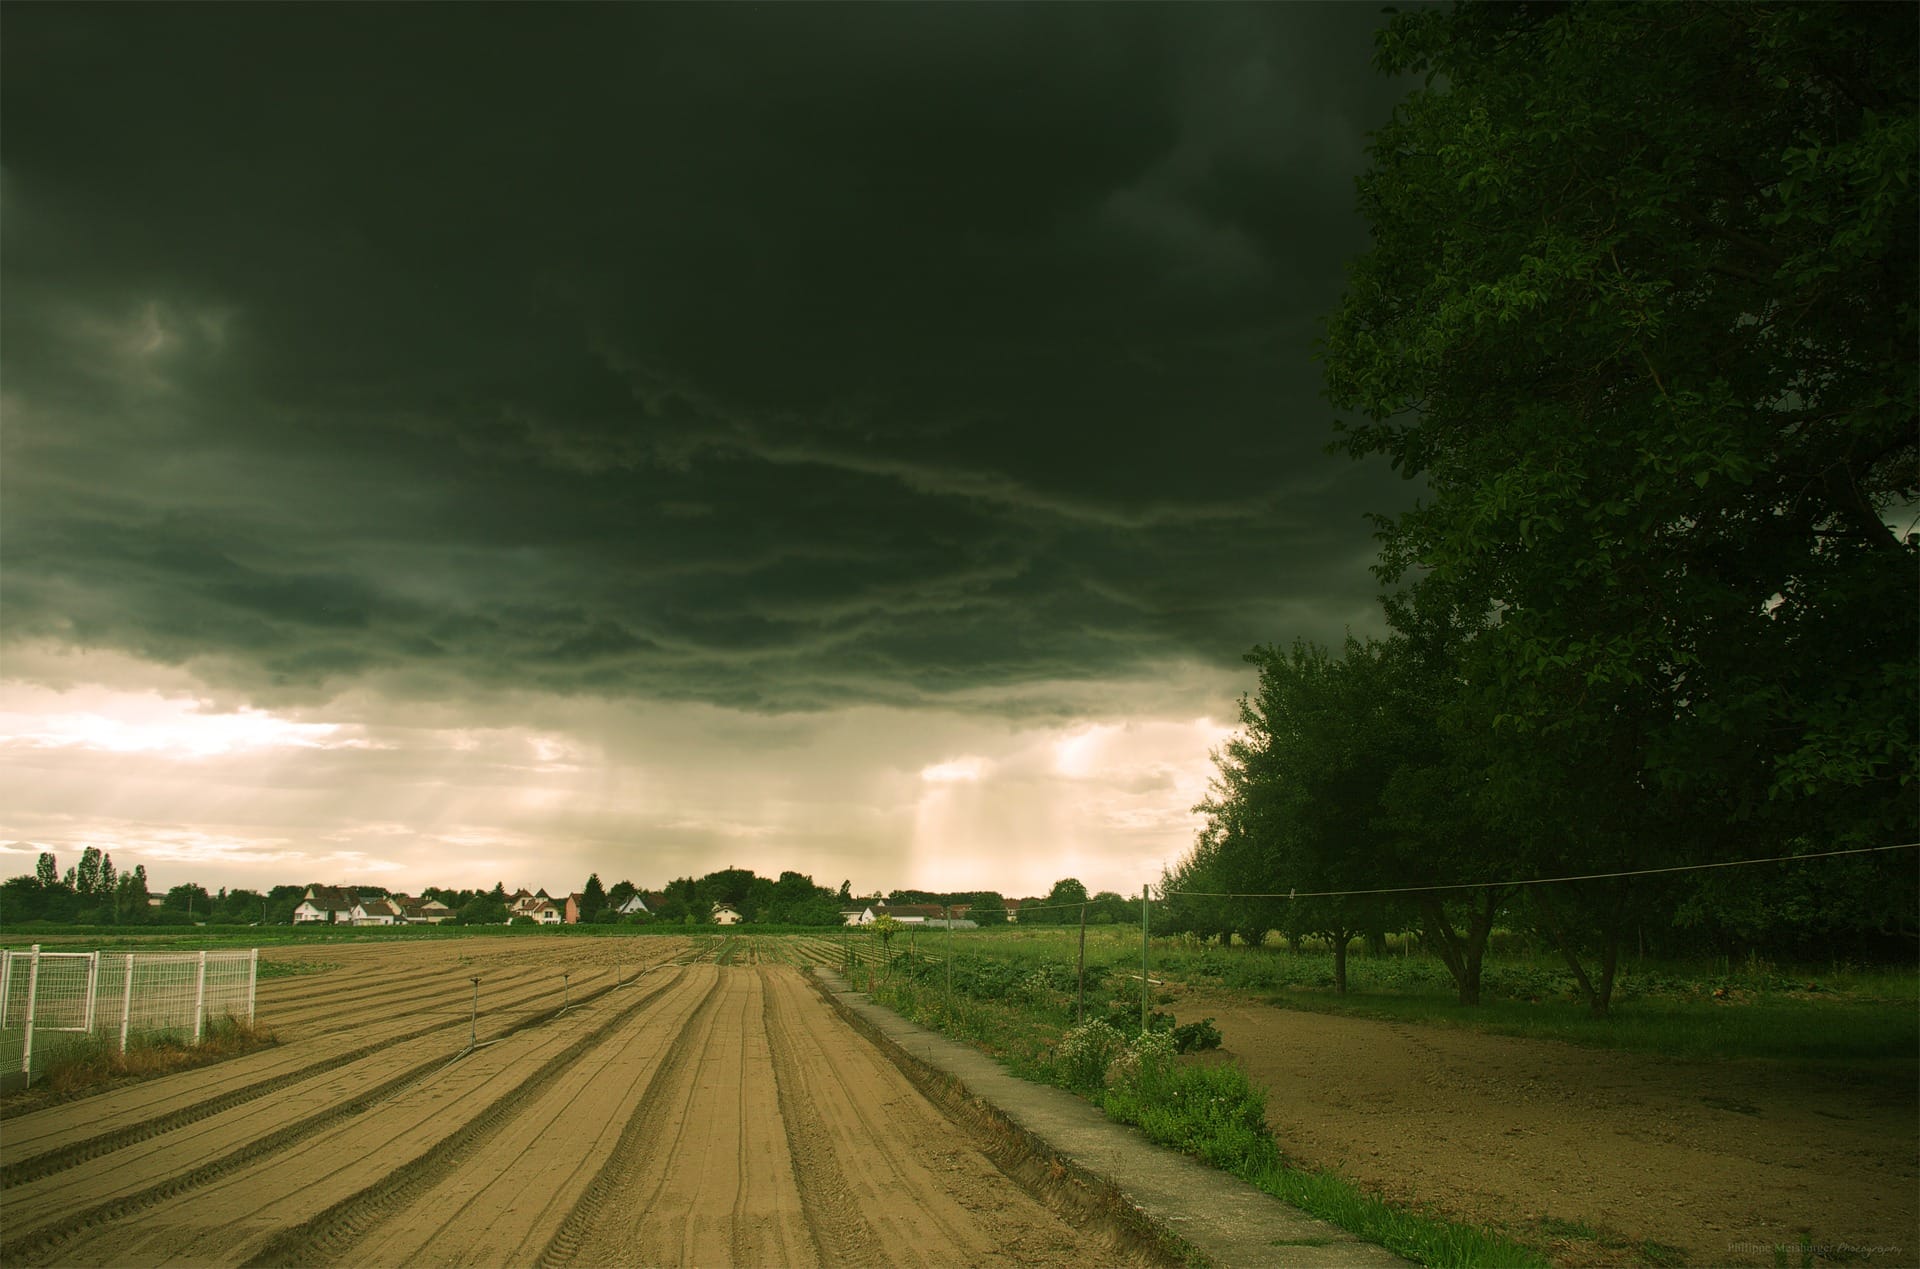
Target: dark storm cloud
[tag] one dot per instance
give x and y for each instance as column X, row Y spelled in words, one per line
column 771, row 356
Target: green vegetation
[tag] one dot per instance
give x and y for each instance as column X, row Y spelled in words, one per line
column 1835, row 1014
column 1654, row 369
column 1015, row 994
column 1016, row 1010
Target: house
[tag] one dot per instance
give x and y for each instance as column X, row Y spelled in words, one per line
column 326, row 904
column 538, row 906
column 633, row 906
column 1013, row 910
column 857, row 916
column 725, row 914
column 429, row 912
column 916, row 913
column 574, row 906
column 377, row 912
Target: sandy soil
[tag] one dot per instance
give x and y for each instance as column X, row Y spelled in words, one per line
column 1723, row 1161
column 693, row 1114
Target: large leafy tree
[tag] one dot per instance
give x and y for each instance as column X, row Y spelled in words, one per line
column 1640, row 312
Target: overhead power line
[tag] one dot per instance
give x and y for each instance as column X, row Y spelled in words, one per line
column 1533, row 881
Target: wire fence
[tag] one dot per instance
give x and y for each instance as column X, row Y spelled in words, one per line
column 1537, row 881
column 49, row 1000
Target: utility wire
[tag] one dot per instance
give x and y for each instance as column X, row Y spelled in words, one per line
column 1533, row 881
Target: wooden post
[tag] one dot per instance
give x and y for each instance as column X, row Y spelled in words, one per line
column 949, row 912
column 253, row 983
column 473, row 1022
column 1146, row 989
column 1080, row 1004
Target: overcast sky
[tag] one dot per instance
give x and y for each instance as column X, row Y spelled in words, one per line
column 449, row 444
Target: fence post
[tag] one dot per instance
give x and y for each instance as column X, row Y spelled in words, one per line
column 6, row 985
column 1146, row 990
column 93, row 989
column 473, row 1022
column 33, row 989
column 126, row 1005
column 200, row 998
column 949, row 909
column 1080, row 1001
column 253, row 982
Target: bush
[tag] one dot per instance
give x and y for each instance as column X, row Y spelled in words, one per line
column 1084, row 1055
column 1210, row 1112
column 1193, row 1037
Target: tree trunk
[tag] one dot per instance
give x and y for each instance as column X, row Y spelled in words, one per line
column 1598, row 995
column 1462, row 954
column 1340, row 941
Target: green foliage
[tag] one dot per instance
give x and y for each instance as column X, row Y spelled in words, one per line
column 485, row 910
column 1655, row 366
column 1196, row 1037
column 1085, row 1053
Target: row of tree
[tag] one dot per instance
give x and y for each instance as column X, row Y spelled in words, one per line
column 94, row 892
column 1640, row 312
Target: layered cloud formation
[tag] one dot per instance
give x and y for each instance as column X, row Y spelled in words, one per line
column 933, row 367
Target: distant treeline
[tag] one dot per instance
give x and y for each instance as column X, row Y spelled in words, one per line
column 94, row 892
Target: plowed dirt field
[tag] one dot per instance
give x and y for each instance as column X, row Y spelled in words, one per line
column 1606, row 1158
column 679, row 1113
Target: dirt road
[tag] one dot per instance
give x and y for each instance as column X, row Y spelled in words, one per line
column 1720, row 1161
column 678, row 1114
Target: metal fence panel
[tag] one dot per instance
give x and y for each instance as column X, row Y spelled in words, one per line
column 117, row 997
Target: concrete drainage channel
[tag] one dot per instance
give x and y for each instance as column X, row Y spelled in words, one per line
column 1066, row 1152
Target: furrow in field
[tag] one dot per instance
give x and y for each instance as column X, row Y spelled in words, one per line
column 337, row 994
column 840, row 1234
column 114, row 1107
column 51, row 1237
column 71, row 1153
column 929, row 1195
column 618, row 1174
column 333, row 1233
column 507, row 1201
column 709, row 1182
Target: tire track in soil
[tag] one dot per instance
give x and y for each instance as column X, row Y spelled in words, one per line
column 921, row 1175
column 482, row 1210
column 616, row 1232
column 840, row 1233
column 329, row 1235
column 49, row 1238
column 619, row 1174
column 46, row 1164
